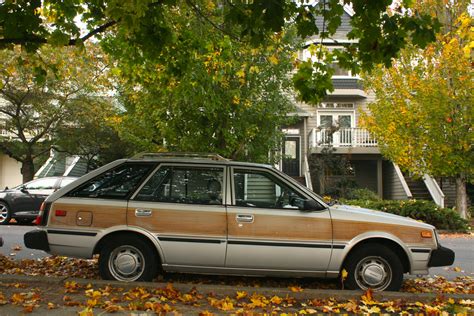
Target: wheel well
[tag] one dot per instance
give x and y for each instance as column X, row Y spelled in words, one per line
column 392, row 245
column 100, row 244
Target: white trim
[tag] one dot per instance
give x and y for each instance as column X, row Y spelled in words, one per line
column 402, row 180
column 435, row 191
column 73, row 164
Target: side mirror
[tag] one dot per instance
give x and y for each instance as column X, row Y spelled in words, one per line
column 312, row 205
column 23, row 189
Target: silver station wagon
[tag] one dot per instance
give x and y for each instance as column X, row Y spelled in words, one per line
column 206, row 214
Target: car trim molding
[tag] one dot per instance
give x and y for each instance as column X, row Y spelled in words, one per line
column 417, row 250
column 281, row 244
column 71, row 232
column 197, row 240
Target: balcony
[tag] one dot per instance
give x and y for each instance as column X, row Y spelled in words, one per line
column 341, row 138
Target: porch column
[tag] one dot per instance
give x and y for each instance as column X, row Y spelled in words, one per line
column 379, row 178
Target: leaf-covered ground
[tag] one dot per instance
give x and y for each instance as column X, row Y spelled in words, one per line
column 90, row 299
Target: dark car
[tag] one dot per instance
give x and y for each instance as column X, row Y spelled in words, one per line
column 23, row 202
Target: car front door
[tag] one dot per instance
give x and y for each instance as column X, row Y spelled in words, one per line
column 33, row 194
column 267, row 228
column 184, row 207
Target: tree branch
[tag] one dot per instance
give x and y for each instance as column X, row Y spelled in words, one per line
column 208, row 20
column 42, row 40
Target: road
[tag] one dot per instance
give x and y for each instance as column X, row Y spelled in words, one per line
column 463, row 247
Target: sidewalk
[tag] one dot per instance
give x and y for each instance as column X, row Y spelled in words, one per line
column 68, row 296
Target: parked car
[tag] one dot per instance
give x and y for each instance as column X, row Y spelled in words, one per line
column 23, row 202
column 187, row 213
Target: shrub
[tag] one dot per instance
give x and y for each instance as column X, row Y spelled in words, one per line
column 426, row 211
column 363, row 194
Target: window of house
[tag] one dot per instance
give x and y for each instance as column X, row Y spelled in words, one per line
column 117, row 183
column 189, row 185
column 262, row 190
column 339, row 71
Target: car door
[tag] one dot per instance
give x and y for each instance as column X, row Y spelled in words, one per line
column 33, row 194
column 267, row 228
column 184, row 207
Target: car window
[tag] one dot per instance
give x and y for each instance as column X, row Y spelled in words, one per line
column 117, row 183
column 41, row 184
column 262, row 189
column 66, row 181
column 191, row 185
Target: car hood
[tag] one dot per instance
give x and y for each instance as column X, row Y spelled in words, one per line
column 365, row 214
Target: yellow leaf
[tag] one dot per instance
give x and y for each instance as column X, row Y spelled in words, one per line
column 344, row 274
column 296, row 289
column 276, row 300
column 241, row 294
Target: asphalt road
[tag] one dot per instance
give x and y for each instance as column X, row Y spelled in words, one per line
column 463, row 247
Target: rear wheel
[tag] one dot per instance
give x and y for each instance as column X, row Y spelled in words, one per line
column 5, row 214
column 374, row 266
column 128, row 258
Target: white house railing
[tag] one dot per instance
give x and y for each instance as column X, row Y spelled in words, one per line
column 343, row 137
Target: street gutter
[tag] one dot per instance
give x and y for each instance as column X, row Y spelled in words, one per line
column 230, row 290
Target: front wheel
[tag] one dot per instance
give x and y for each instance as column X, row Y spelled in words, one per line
column 374, row 266
column 5, row 214
column 128, row 259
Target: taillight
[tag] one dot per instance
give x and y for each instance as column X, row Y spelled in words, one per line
column 42, row 217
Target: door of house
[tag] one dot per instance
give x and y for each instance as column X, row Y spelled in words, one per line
column 291, row 156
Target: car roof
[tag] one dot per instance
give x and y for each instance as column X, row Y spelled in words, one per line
column 192, row 158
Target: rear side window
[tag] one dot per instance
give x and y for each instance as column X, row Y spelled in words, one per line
column 189, row 185
column 117, row 183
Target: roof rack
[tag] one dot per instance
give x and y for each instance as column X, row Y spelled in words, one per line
column 210, row 156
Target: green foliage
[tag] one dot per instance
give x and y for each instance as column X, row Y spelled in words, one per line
column 35, row 103
column 204, row 92
column 93, row 135
column 379, row 31
column 423, row 113
column 362, row 194
column 426, row 211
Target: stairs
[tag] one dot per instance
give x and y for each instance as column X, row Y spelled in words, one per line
column 418, row 189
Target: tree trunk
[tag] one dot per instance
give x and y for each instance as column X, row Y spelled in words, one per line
column 461, row 196
column 27, row 169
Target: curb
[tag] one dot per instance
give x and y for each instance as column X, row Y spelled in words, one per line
column 228, row 290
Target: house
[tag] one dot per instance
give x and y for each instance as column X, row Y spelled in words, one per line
column 335, row 124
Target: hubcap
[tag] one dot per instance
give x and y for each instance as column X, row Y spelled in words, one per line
column 3, row 213
column 373, row 272
column 126, row 263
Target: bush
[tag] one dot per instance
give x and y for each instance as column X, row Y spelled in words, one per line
column 363, row 194
column 426, row 211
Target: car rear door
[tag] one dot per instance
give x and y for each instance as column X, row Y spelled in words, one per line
column 266, row 228
column 183, row 205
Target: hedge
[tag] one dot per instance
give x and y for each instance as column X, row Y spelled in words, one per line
column 426, row 211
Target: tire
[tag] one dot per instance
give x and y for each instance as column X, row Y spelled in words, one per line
column 128, row 258
column 5, row 214
column 374, row 266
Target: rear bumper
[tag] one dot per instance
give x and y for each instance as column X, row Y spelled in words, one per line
column 441, row 256
column 36, row 239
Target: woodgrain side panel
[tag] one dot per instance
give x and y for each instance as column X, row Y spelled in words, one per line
column 346, row 230
column 179, row 222
column 103, row 216
column 281, row 228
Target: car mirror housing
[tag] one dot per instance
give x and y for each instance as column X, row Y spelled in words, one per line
column 23, row 189
column 312, row 205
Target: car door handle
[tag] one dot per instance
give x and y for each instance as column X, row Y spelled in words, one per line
column 142, row 213
column 244, row 218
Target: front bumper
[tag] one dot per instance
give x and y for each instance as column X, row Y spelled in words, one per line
column 441, row 256
column 26, row 215
column 36, row 239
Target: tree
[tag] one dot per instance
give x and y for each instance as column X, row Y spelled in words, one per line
column 423, row 113
column 92, row 134
column 204, row 91
column 33, row 107
column 379, row 29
